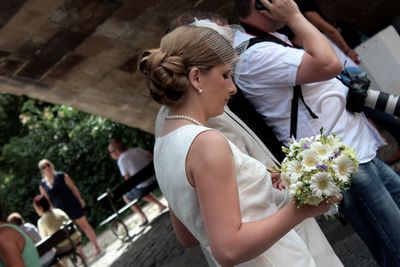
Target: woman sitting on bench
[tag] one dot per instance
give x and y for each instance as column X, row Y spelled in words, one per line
column 51, row 220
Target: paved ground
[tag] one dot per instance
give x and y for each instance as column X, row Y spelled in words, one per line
column 156, row 245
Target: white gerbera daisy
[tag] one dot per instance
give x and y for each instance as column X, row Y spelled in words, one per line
column 294, row 169
column 322, row 185
column 323, row 151
column 309, row 159
column 343, row 167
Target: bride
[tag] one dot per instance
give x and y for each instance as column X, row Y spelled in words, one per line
column 218, row 196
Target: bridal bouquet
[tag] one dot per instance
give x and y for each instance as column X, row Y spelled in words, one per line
column 317, row 167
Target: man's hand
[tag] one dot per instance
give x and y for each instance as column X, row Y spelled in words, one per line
column 353, row 56
column 280, row 10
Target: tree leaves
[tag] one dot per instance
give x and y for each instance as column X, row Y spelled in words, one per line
column 75, row 142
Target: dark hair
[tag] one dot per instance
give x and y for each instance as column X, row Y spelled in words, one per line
column 243, row 8
column 41, row 202
column 117, row 144
column 189, row 17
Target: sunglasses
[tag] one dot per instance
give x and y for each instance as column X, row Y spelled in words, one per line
column 44, row 166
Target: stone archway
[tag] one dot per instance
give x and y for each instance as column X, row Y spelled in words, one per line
column 83, row 53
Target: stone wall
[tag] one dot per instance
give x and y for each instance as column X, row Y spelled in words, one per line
column 84, row 53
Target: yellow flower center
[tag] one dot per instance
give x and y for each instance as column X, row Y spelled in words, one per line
column 342, row 169
column 322, row 184
column 309, row 161
column 321, row 151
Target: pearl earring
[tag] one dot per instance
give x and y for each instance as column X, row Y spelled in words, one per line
column 199, row 91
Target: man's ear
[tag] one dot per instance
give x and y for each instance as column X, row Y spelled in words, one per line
column 194, row 78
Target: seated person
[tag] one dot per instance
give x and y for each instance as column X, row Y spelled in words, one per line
column 28, row 228
column 33, row 233
column 16, row 248
column 51, row 220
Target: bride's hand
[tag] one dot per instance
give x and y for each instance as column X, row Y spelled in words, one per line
column 324, row 206
column 276, row 180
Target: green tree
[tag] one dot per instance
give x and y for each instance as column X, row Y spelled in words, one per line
column 75, row 142
column 10, row 124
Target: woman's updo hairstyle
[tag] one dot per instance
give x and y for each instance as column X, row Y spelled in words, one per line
column 41, row 202
column 167, row 67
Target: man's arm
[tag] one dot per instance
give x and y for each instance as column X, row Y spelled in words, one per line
column 319, row 61
column 332, row 33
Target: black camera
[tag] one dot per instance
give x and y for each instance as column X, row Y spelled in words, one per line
column 360, row 95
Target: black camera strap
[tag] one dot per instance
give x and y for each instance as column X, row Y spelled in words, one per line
column 297, row 91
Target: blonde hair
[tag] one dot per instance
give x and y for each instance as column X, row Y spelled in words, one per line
column 167, row 67
column 48, row 162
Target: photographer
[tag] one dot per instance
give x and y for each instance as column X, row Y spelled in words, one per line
column 267, row 73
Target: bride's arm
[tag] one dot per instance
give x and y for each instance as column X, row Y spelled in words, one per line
column 210, row 167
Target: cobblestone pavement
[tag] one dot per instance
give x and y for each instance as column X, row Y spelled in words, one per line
column 156, row 245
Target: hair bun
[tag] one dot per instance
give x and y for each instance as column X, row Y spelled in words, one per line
column 166, row 76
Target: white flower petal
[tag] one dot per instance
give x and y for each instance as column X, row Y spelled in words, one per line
column 323, row 151
column 294, row 167
column 343, row 167
column 322, row 185
column 309, row 159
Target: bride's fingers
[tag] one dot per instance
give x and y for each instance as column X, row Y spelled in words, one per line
column 334, row 199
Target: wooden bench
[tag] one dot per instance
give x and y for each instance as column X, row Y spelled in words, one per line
column 108, row 200
column 66, row 231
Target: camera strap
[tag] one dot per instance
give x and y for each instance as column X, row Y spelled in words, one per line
column 297, row 91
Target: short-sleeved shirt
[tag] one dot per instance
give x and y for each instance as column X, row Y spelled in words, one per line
column 133, row 160
column 266, row 73
column 31, row 231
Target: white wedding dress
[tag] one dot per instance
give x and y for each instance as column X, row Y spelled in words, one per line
column 306, row 246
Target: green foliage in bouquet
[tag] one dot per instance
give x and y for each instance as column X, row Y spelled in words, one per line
column 317, row 167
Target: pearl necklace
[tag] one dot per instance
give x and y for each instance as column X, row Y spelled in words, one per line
column 183, row 117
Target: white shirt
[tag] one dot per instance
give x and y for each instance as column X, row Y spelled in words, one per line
column 31, row 231
column 266, row 73
column 133, row 160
